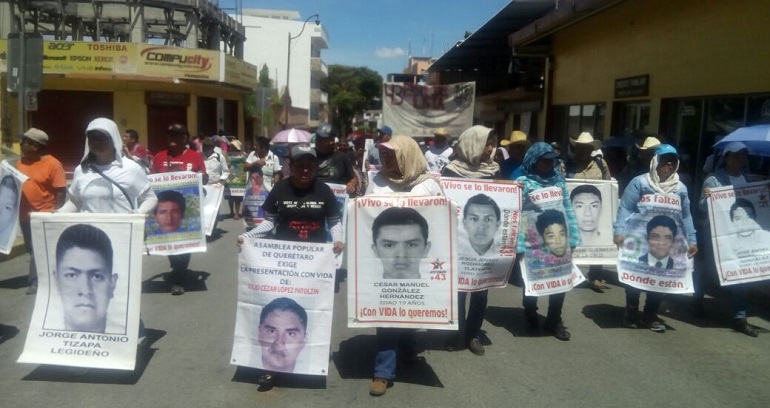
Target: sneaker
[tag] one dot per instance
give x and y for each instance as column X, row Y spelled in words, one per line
column 32, row 289
column 476, row 347
column 266, row 382
column 177, row 290
column 558, row 330
column 378, row 387
column 655, row 324
column 743, row 326
column 631, row 318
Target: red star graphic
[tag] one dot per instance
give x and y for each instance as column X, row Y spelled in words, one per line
column 437, row 264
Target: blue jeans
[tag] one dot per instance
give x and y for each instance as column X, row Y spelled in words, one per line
column 388, row 342
column 470, row 325
column 739, row 295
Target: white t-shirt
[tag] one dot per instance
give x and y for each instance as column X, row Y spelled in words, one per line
column 271, row 167
column 438, row 158
column 96, row 194
column 379, row 185
column 216, row 167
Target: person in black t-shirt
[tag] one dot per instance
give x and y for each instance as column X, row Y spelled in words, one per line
column 333, row 166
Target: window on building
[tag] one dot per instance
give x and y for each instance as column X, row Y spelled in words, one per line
column 571, row 120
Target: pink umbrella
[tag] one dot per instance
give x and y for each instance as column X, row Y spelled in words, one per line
column 291, row 136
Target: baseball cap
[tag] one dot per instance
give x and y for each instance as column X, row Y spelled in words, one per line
column 298, row 152
column 324, row 130
column 178, row 129
column 386, row 130
column 36, row 135
column 735, row 147
column 666, row 149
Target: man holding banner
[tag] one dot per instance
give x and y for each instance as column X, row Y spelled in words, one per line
column 297, row 209
column 731, row 172
column 655, row 232
column 548, row 236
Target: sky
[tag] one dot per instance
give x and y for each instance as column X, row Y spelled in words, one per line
column 377, row 33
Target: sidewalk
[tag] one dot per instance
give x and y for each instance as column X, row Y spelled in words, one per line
column 16, row 250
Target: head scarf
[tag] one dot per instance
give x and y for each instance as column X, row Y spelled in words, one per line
column 471, row 145
column 670, row 185
column 504, row 151
column 535, row 152
column 411, row 163
column 108, row 127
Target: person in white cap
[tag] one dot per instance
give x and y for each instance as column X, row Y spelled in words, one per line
column 731, row 171
column 45, row 190
column 587, row 166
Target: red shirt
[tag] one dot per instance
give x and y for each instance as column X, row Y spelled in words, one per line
column 189, row 160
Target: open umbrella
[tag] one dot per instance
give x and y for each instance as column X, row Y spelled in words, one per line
column 756, row 138
column 291, row 136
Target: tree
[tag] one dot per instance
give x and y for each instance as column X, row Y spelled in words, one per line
column 351, row 91
column 264, row 76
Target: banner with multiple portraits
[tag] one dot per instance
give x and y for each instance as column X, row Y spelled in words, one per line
column 176, row 225
column 285, row 303
column 740, row 232
column 238, row 174
column 654, row 252
column 89, row 289
column 547, row 266
column 402, row 262
column 488, row 213
column 212, row 199
column 595, row 203
column 11, row 181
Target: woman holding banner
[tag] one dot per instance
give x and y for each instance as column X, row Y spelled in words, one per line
column 474, row 161
column 540, row 170
column 731, row 171
column 404, row 170
column 661, row 179
column 298, row 209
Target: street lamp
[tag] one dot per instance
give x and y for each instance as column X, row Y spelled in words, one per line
column 288, row 66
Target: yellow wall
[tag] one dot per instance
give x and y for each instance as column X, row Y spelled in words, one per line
column 689, row 48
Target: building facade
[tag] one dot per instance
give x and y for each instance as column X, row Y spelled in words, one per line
column 111, row 70
column 269, row 43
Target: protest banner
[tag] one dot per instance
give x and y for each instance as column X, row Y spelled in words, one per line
column 740, row 220
column 417, row 109
column 654, row 252
column 237, row 181
column 402, row 261
column 595, row 203
column 547, row 266
column 212, row 199
column 176, row 226
column 11, row 181
column 89, row 269
column 341, row 193
column 488, row 214
column 283, row 320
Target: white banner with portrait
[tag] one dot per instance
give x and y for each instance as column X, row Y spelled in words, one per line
column 89, row 288
column 11, row 181
column 740, row 232
column 402, row 262
column 654, row 253
column 595, row 203
column 547, row 266
column 176, row 224
column 488, row 213
column 212, row 200
column 283, row 320
column 418, row 110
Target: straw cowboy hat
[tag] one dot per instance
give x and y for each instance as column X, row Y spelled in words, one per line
column 649, row 143
column 585, row 138
column 517, row 137
column 441, row 132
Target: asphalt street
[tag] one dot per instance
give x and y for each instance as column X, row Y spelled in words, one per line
column 698, row 362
